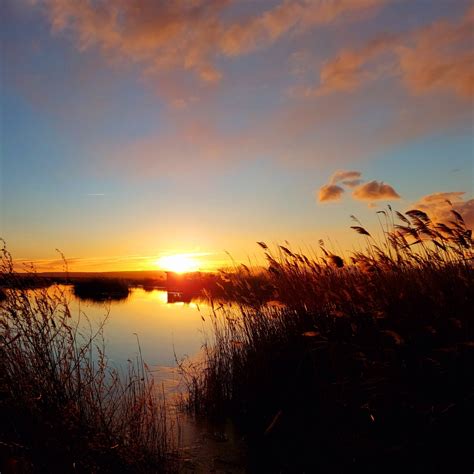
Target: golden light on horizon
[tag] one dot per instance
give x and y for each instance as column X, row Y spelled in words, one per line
column 179, row 263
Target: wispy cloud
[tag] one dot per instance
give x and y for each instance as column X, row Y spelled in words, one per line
column 172, row 43
column 290, row 15
column 208, row 260
column 189, row 35
column 352, row 183
column 352, row 68
column 342, row 175
column 137, row 262
column 439, row 56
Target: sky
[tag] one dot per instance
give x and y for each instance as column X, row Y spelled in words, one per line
column 133, row 130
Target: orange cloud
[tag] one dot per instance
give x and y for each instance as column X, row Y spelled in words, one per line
column 442, row 58
column 437, row 57
column 439, row 205
column 333, row 192
column 159, row 35
column 166, row 37
column 349, row 69
column 330, row 192
column 188, row 35
column 375, row 191
column 289, row 15
column 371, row 191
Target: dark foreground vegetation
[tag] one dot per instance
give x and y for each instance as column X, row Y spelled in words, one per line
column 63, row 408
column 325, row 363
column 365, row 364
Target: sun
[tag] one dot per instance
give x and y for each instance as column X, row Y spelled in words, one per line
column 179, row 263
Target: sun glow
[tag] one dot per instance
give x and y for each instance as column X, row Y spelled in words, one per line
column 179, row 263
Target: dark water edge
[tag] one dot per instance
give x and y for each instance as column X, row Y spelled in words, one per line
column 211, row 447
column 223, row 448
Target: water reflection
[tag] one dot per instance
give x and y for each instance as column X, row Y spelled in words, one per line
column 168, row 326
column 177, row 297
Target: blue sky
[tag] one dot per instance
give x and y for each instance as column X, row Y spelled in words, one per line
column 135, row 129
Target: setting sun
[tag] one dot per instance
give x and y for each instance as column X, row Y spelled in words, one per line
column 180, row 263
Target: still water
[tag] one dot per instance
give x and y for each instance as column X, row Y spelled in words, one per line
column 166, row 331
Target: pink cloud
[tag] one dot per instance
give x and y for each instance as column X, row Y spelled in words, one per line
column 262, row 30
column 299, row 133
column 350, row 69
column 188, row 35
column 437, row 57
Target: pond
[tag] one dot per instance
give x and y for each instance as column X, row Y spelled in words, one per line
column 165, row 330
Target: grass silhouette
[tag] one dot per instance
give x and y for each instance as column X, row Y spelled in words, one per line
column 326, row 363
column 366, row 362
column 63, row 407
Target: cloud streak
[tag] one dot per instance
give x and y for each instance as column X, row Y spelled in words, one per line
column 189, row 35
column 342, row 175
column 159, row 37
column 439, row 56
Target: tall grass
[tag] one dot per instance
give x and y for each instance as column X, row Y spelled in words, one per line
column 364, row 362
column 63, row 407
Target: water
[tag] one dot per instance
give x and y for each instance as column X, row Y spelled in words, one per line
column 166, row 331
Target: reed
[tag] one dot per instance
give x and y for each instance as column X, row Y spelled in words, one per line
column 359, row 362
column 63, row 407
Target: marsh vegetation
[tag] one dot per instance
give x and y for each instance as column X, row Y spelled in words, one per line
column 63, row 406
column 366, row 362
column 322, row 362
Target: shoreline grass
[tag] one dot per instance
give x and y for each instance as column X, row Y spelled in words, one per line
column 324, row 363
column 63, row 407
column 364, row 364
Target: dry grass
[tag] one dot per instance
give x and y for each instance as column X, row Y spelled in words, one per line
column 63, row 407
column 366, row 362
